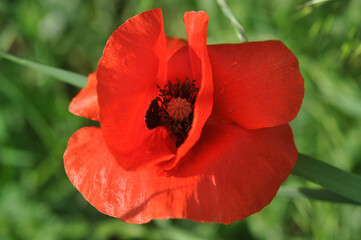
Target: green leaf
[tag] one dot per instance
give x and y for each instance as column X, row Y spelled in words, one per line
column 74, row 79
column 314, row 194
column 343, row 183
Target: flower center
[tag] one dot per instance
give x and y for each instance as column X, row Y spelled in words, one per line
column 173, row 109
column 179, row 109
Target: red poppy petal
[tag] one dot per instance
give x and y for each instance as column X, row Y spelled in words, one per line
column 173, row 45
column 85, row 104
column 132, row 65
column 257, row 84
column 196, row 27
column 178, row 59
column 179, row 66
column 232, row 174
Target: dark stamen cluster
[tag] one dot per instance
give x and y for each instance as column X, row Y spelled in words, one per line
column 157, row 114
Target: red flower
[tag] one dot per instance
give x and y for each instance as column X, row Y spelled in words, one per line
column 215, row 149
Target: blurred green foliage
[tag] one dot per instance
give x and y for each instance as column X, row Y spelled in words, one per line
column 37, row 201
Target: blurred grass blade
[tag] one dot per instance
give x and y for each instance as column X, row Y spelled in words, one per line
column 343, row 183
column 310, row 3
column 235, row 23
column 74, row 79
column 315, row 194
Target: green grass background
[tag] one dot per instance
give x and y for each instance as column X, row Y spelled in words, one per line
column 37, row 201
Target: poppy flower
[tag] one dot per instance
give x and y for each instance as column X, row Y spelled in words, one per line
column 187, row 130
